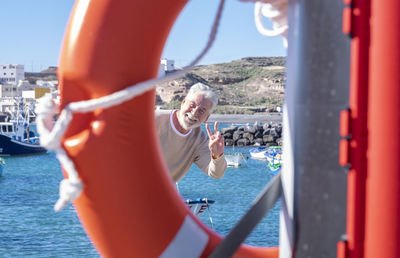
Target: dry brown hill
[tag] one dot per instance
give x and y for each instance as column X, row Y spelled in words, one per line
column 246, row 85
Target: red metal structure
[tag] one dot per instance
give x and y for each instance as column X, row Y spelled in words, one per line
column 373, row 130
column 382, row 220
column 356, row 23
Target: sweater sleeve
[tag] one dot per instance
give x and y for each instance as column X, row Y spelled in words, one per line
column 212, row 167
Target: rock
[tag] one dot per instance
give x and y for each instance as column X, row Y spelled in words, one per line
column 230, row 129
column 267, row 131
column 268, row 138
column 258, row 134
column 248, row 136
column 229, row 142
column 237, row 135
column 273, row 132
column 241, row 128
column 251, row 129
column 243, row 142
column 259, row 141
column 266, row 126
column 279, row 129
column 227, row 135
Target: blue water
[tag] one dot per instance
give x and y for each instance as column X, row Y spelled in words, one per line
column 28, row 225
column 233, row 195
column 30, row 228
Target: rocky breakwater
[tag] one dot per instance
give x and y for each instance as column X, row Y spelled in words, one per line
column 268, row 134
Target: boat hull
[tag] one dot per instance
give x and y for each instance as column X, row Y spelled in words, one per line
column 11, row 147
column 258, row 153
column 234, row 159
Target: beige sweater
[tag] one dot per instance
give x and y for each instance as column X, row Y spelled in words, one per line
column 180, row 151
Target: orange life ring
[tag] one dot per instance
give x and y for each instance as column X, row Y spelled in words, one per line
column 129, row 206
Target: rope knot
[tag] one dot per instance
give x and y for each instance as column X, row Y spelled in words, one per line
column 276, row 11
column 69, row 191
column 47, row 106
column 46, row 109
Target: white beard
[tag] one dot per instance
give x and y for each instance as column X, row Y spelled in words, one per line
column 187, row 121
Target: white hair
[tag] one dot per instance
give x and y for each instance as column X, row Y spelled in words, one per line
column 204, row 90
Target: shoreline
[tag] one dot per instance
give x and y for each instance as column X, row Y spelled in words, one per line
column 240, row 118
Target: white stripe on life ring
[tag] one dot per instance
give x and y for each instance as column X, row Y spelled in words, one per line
column 190, row 241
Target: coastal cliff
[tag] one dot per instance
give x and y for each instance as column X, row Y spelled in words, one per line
column 251, row 85
column 245, row 86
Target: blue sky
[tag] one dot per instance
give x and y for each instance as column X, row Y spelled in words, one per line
column 32, row 33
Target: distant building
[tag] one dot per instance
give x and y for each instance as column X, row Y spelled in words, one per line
column 169, row 65
column 8, row 90
column 25, row 90
column 48, row 84
column 11, row 74
column 13, row 86
column 6, row 103
column 24, row 86
column 166, row 66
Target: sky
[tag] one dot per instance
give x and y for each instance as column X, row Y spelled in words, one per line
column 32, row 33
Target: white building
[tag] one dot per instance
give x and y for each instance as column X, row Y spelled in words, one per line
column 168, row 65
column 11, row 74
column 29, row 93
column 48, row 84
column 8, row 91
column 6, row 104
column 24, row 86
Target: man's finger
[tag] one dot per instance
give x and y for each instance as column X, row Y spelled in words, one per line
column 208, row 130
column 216, row 126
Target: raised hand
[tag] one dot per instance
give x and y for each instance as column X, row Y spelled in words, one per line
column 216, row 143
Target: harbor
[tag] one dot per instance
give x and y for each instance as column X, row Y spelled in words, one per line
column 30, row 227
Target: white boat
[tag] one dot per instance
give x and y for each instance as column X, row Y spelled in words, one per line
column 199, row 205
column 259, row 152
column 234, row 159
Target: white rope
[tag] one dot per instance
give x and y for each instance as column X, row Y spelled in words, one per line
column 51, row 134
column 276, row 11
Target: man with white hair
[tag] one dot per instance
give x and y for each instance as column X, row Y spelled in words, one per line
column 183, row 142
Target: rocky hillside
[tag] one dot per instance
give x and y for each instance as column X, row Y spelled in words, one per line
column 46, row 75
column 247, row 85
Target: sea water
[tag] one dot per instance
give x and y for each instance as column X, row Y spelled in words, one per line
column 30, row 228
column 233, row 195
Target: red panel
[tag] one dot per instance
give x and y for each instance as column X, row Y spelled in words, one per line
column 344, row 123
column 341, row 249
column 359, row 69
column 344, row 152
column 382, row 229
column 346, row 24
